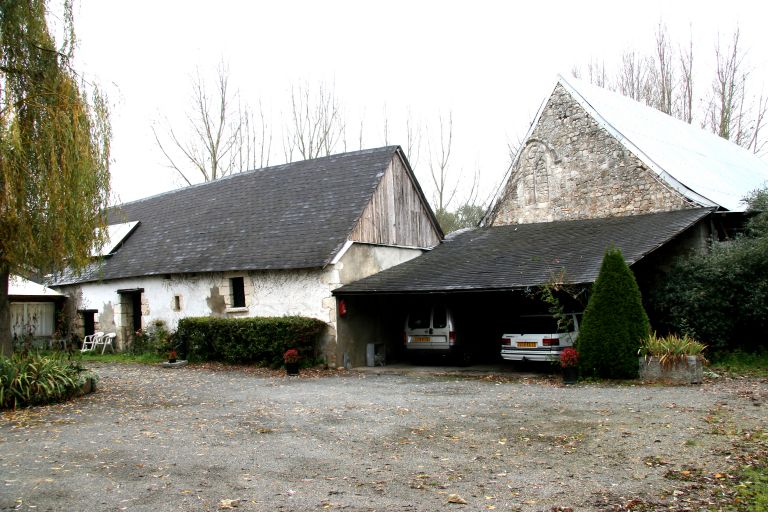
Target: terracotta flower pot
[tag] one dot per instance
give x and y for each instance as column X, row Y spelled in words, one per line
column 292, row 368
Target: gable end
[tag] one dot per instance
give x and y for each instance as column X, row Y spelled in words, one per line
column 398, row 213
column 571, row 168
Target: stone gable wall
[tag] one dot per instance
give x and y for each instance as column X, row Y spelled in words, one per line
column 571, row 168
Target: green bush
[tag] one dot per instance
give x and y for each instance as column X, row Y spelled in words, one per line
column 614, row 322
column 261, row 340
column 154, row 339
column 35, row 379
column 721, row 297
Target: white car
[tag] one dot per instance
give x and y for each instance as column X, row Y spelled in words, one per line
column 538, row 338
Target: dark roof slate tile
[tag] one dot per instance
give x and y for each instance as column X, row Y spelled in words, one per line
column 289, row 216
column 526, row 255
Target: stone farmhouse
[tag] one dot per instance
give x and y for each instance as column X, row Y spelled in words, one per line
column 269, row 242
column 595, row 169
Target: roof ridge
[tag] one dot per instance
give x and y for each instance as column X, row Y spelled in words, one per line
column 269, row 168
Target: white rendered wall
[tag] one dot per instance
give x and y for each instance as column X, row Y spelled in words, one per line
column 305, row 292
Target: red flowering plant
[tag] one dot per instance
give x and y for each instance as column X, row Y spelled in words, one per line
column 291, row 356
column 569, row 357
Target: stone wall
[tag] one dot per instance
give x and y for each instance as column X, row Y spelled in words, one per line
column 572, row 168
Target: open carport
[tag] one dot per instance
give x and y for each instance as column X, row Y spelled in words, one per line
column 490, row 276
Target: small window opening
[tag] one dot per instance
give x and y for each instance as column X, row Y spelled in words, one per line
column 238, row 292
column 177, row 302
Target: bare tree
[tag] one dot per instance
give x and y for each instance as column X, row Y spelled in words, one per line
column 597, row 74
column 412, row 140
column 685, row 111
column 254, row 145
column 216, row 123
column 733, row 112
column 316, row 123
column 438, row 166
column 727, row 88
column 663, row 72
column 633, row 79
column 665, row 81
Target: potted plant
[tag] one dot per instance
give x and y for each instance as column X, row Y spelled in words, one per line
column 672, row 358
column 569, row 362
column 172, row 356
column 291, row 358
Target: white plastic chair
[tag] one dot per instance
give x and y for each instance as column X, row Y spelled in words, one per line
column 89, row 342
column 105, row 341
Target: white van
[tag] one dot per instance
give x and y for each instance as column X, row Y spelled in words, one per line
column 431, row 330
column 537, row 338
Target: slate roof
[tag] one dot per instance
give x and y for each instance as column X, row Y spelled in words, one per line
column 525, row 255
column 702, row 166
column 290, row 216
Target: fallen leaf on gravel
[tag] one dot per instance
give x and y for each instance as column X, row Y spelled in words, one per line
column 455, row 498
column 223, row 504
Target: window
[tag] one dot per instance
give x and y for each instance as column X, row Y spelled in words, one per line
column 32, row 318
column 439, row 317
column 177, row 302
column 237, row 286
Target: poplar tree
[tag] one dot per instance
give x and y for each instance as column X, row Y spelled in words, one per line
column 54, row 151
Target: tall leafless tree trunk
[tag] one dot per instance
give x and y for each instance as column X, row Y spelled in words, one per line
column 727, row 88
column 412, row 140
column 685, row 111
column 438, row 166
column 664, row 78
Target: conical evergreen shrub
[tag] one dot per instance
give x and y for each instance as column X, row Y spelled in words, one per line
column 614, row 322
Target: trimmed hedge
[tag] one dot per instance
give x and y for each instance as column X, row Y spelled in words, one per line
column 260, row 340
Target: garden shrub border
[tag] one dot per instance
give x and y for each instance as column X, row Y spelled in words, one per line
column 257, row 340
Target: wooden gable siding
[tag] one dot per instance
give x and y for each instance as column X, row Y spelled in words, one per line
column 396, row 214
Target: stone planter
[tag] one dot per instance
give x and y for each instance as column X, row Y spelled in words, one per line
column 687, row 371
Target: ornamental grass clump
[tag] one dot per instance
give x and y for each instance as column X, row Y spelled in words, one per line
column 35, row 379
column 671, row 349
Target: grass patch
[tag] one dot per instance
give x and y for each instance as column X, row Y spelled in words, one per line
column 753, row 489
column 741, row 363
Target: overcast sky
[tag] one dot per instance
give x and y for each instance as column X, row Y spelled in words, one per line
column 489, row 63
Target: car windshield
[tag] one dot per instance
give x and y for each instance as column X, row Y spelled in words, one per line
column 419, row 318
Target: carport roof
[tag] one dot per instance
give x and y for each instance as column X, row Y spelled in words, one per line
column 526, row 255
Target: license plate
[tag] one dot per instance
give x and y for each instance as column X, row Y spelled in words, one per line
column 526, row 344
column 421, row 339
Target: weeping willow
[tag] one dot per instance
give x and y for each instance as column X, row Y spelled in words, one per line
column 54, row 150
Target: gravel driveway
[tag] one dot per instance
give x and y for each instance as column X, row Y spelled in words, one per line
column 200, row 439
